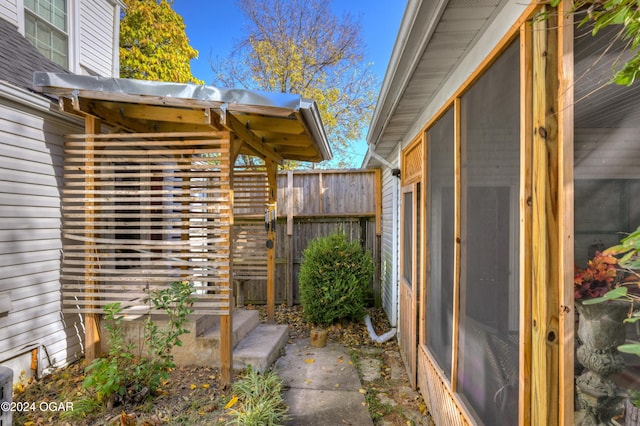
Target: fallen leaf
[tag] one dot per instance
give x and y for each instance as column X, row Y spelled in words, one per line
column 363, row 391
column 205, row 386
column 193, row 386
column 307, row 381
column 231, row 402
column 309, row 360
column 337, row 385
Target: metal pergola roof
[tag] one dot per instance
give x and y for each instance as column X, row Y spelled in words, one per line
column 278, row 126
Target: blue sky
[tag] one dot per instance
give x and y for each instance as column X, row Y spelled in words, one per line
column 213, row 26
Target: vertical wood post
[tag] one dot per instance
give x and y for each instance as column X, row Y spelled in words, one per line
column 92, row 320
column 272, row 178
column 565, row 210
column 226, row 320
column 289, row 247
column 545, row 308
column 525, row 242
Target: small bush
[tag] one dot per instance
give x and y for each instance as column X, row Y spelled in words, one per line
column 334, row 278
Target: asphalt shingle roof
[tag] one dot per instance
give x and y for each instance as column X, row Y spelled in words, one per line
column 19, row 58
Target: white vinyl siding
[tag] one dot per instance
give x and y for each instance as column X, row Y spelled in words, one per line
column 389, row 255
column 30, row 235
column 97, row 38
column 9, row 11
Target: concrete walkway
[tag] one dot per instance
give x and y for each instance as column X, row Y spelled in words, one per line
column 322, row 385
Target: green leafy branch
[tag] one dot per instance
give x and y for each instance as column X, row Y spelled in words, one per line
column 624, row 13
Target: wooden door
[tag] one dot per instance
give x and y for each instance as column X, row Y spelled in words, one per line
column 409, row 278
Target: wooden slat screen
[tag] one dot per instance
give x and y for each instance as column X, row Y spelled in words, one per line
column 141, row 211
column 249, row 234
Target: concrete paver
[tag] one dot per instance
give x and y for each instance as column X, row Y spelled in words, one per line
column 323, row 387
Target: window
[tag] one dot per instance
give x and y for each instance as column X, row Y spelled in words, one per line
column 45, row 23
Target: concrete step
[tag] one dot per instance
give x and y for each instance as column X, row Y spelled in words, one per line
column 243, row 322
column 261, row 347
column 254, row 344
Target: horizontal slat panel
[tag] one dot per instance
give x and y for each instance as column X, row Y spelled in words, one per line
column 143, row 210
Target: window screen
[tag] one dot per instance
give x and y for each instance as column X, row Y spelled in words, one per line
column 440, row 223
column 489, row 302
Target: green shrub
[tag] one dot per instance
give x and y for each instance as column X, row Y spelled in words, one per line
column 334, row 278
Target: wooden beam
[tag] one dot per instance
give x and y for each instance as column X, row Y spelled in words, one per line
column 286, row 125
column 92, row 348
column 254, row 142
column 545, row 330
column 165, row 114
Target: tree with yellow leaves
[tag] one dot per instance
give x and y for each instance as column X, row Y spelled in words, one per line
column 153, row 43
column 300, row 46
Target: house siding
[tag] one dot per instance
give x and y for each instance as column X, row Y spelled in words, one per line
column 31, row 141
column 96, row 37
column 9, row 11
column 389, row 255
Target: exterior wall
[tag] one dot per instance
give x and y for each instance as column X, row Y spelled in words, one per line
column 9, row 11
column 389, row 246
column 93, row 33
column 30, row 235
column 98, row 38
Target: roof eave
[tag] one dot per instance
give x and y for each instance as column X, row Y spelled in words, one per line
column 410, row 43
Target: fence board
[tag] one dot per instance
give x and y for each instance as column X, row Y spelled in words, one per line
column 312, row 204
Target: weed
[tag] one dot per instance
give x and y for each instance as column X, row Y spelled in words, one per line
column 124, row 375
column 259, row 400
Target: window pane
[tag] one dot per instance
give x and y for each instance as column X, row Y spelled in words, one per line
column 45, row 28
column 489, row 284
column 440, row 223
column 407, row 253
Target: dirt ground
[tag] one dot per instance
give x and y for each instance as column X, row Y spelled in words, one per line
column 196, row 396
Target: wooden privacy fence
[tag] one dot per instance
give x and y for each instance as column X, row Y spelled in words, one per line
column 311, row 204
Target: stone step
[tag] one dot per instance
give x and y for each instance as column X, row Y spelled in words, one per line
column 261, row 347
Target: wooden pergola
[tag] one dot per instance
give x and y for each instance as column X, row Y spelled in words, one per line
column 152, row 193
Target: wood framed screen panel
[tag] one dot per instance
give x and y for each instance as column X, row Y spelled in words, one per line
column 141, row 211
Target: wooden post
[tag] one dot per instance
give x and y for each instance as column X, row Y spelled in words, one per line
column 565, row 210
column 92, row 348
column 272, row 177
column 226, row 320
column 526, row 138
column 545, row 303
column 289, row 248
